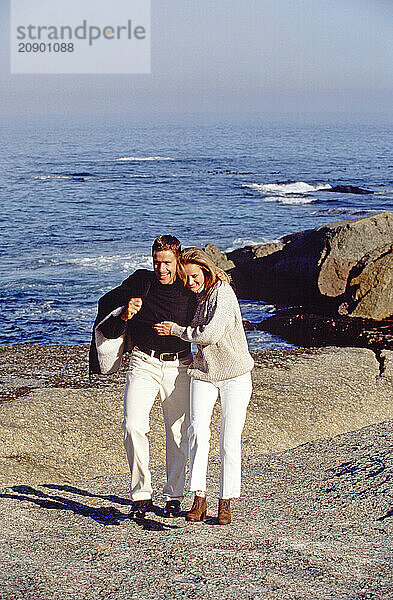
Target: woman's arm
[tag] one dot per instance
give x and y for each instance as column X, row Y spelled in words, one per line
column 220, row 316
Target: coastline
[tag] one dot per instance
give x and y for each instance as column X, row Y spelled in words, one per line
column 58, row 426
column 26, row 367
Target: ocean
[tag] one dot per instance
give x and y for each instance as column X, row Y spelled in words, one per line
column 82, row 204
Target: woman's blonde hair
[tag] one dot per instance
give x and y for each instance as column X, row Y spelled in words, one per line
column 212, row 273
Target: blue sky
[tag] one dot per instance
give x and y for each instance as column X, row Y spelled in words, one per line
column 232, row 60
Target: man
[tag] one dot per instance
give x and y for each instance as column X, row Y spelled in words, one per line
column 158, row 365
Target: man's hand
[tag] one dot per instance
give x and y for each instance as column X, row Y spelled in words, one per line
column 163, row 328
column 133, row 306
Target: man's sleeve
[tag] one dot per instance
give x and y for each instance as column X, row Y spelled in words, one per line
column 135, row 286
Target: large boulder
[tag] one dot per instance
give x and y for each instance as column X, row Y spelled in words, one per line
column 242, row 256
column 345, row 266
column 237, row 263
column 218, row 257
column 369, row 291
column 313, row 266
column 345, row 243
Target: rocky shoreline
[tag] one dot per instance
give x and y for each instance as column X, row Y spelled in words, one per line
column 333, row 284
column 53, row 418
column 315, row 519
column 27, row 367
column 312, row 523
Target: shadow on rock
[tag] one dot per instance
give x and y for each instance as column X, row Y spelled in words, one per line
column 103, row 515
column 152, row 525
column 74, row 490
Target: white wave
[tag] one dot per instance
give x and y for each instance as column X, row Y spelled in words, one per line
column 52, row 177
column 263, row 340
column 283, row 189
column 256, row 311
column 241, row 242
column 106, row 263
column 257, row 305
column 136, row 158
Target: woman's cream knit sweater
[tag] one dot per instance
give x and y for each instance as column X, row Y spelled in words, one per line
column 217, row 329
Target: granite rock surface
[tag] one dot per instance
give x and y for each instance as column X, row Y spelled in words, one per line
column 313, row 523
column 346, row 263
column 64, row 434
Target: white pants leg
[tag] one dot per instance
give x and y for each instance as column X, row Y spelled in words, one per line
column 148, row 376
column 175, row 397
column 235, row 395
column 203, row 396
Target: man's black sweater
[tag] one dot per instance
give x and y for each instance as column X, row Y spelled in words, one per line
column 170, row 302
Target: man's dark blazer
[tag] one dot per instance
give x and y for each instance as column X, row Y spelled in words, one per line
column 136, row 285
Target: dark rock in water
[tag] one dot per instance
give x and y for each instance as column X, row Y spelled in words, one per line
column 313, row 330
column 348, row 189
column 80, row 174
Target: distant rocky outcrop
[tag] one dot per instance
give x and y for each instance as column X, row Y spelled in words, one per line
column 348, row 189
column 346, row 263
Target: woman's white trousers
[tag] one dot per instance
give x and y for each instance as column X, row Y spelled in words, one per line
column 235, row 395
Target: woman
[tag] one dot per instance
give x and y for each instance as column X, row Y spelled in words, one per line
column 222, row 364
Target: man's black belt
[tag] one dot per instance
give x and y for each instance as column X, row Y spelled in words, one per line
column 164, row 355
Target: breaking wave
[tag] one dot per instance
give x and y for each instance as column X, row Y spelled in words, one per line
column 138, row 158
column 290, row 199
column 75, row 176
column 43, row 177
column 285, row 189
column 122, row 263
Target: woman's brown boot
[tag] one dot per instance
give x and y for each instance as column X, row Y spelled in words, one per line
column 198, row 510
column 224, row 511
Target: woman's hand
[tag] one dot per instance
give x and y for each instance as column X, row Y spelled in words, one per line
column 163, row 328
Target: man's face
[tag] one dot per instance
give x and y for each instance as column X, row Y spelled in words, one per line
column 165, row 264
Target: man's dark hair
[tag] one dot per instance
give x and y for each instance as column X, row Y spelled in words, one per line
column 167, row 242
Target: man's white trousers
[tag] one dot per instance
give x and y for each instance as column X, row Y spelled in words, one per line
column 147, row 377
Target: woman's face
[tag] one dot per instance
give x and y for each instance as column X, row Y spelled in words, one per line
column 195, row 277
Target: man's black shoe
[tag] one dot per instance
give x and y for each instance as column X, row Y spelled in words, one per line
column 172, row 509
column 139, row 508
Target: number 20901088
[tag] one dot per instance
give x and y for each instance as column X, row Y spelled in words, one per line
column 45, row 47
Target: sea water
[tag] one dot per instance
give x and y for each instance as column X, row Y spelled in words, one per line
column 82, row 204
